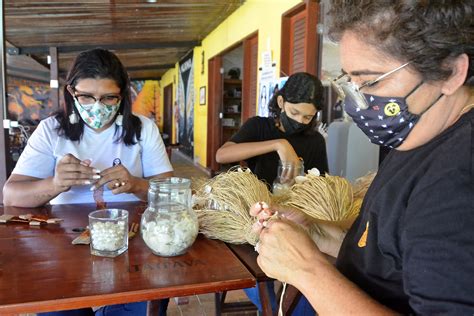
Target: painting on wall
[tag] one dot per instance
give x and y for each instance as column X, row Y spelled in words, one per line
column 146, row 100
column 185, row 102
column 28, row 101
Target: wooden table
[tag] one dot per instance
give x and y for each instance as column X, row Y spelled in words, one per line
column 40, row 270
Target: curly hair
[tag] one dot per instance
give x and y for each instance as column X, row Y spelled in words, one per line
column 99, row 64
column 428, row 33
column 301, row 87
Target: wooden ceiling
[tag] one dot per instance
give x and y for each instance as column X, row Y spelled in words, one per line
column 148, row 37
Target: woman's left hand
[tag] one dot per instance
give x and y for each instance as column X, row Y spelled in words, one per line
column 117, row 179
column 285, row 248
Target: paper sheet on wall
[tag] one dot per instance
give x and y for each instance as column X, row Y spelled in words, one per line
column 267, row 83
column 268, row 86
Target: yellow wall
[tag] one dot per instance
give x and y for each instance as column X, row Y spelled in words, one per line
column 200, row 111
column 263, row 16
column 170, row 77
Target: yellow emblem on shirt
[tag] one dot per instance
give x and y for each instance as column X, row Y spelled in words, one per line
column 391, row 109
column 363, row 239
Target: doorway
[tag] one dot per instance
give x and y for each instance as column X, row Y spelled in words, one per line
column 231, row 111
column 232, row 94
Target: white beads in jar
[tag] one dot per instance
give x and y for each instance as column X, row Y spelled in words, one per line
column 108, row 236
column 109, row 232
column 170, row 230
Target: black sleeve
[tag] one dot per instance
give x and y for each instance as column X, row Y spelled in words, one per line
column 438, row 243
column 249, row 132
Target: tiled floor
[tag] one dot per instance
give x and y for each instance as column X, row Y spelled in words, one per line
column 184, row 166
column 203, row 305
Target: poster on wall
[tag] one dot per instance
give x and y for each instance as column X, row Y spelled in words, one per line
column 185, row 102
column 274, row 86
column 267, row 83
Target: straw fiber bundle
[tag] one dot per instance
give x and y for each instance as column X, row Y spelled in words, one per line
column 223, row 203
column 198, row 182
column 329, row 198
column 326, row 198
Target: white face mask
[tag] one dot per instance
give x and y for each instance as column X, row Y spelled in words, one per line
column 96, row 115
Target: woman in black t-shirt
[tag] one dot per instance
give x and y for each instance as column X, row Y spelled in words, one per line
column 407, row 82
column 289, row 133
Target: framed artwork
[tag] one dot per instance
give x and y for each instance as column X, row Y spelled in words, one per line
column 202, row 95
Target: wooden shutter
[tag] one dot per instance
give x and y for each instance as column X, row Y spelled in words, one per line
column 299, row 39
column 297, row 42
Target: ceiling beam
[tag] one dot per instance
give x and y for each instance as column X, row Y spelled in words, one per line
column 80, row 48
column 144, row 78
column 39, row 61
column 137, row 68
column 34, row 59
column 150, row 67
column 39, row 73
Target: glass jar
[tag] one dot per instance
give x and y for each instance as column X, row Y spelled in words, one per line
column 169, row 225
column 109, row 232
column 286, row 174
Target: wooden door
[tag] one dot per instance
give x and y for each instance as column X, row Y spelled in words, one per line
column 168, row 111
column 214, row 126
column 249, row 82
column 4, row 150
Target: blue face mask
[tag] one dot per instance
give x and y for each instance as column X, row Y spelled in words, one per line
column 386, row 121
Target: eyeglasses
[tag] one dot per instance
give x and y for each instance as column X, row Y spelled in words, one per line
column 347, row 89
column 87, row 99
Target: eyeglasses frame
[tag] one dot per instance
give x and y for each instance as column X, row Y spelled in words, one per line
column 73, row 91
column 341, row 93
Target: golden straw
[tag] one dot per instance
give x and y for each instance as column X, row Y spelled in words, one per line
column 223, row 203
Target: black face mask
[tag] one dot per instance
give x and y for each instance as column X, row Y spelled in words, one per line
column 291, row 126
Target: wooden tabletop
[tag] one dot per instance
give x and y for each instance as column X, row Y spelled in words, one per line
column 40, row 270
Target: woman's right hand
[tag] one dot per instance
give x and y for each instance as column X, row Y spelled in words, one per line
column 72, row 171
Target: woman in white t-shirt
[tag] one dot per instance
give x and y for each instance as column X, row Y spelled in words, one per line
column 93, row 142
